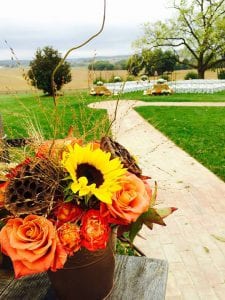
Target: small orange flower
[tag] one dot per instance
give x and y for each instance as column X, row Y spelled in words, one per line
column 32, row 244
column 54, row 148
column 94, row 231
column 67, row 212
column 69, row 236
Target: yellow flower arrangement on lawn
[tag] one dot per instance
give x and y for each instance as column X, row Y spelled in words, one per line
column 70, row 195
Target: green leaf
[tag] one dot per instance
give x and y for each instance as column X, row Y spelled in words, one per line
column 152, row 216
column 68, row 198
column 1, row 224
column 206, row 249
column 219, row 238
column 135, row 228
column 166, row 211
column 154, row 195
column 149, row 224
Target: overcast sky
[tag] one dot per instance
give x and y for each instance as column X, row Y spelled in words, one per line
column 28, row 24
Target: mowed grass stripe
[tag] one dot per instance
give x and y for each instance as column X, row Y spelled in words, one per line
column 200, row 131
column 138, row 95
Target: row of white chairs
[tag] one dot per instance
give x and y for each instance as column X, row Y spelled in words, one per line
column 181, row 86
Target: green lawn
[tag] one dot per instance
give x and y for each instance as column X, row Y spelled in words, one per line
column 200, row 131
column 216, row 97
column 20, row 111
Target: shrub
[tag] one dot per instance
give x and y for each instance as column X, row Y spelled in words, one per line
column 191, row 75
column 165, row 77
column 130, row 78
column 43, row 65
column 99, row 80
column 117, row 79
column 221, row 74
column 144, row 77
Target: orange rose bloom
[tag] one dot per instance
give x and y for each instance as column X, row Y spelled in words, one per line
column 94, row 231
column 69, row 236
column 131, row 201
column 32, row 244
column 67, row 212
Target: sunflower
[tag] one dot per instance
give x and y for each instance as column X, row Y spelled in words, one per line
column 93, row 172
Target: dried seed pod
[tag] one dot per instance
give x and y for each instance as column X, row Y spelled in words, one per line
column 33, row 189
column 117, row 150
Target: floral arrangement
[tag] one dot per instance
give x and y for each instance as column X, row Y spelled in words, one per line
column 70, row 195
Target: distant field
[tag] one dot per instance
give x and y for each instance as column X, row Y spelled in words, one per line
column 11, row 79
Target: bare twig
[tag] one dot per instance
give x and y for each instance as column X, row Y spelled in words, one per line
column 72, row 49
column 115, row 112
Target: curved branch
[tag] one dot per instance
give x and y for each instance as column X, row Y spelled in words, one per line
column 191, row 29
column 72, row 49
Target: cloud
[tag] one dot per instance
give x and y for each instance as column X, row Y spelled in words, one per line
column 113, row 40
column 27, row 25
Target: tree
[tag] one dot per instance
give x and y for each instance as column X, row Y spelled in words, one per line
column 150, row 61
column 41, row 69
column 197, row 32
column 158, row 60
column 135, row 64
column 121, row 64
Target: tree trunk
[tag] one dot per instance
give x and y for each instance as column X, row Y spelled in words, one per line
column 201, row 73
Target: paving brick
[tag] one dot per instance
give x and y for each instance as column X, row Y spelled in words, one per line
column 171, row 253
column 189, row 292
column 219, row 290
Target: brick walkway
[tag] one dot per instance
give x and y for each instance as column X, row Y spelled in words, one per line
column 193, row 242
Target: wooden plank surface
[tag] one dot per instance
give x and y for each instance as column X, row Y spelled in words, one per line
column 139, row 278
column 135, row 278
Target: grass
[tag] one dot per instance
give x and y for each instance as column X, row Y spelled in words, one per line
column 21, row 112
column 216, row 97
column 200, row 131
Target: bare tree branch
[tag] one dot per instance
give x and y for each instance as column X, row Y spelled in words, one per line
column 75, row 48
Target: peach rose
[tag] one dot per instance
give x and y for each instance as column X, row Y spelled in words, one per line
column 32, row 244
column 131, row 201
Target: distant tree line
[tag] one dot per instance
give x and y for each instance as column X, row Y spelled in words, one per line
column 102, row 65
column 147, row 62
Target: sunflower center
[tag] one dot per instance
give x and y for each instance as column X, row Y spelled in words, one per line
column 92, row 174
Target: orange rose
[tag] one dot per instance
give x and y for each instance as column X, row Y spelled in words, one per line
column 67, row 212
column 94, row 231
column 69, row 236
column 32, row 244
column 131, row 201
